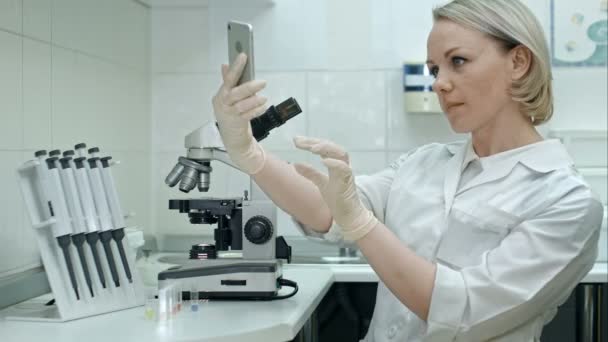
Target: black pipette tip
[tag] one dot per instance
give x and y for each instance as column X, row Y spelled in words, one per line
column 68, row 153
column 106, row 237
column 94, row 150
column 92, row 239
column 118, row 235
column 40, row 153
column 64, row 243
column 54, row 153
column 79, row 240
column 79, row 146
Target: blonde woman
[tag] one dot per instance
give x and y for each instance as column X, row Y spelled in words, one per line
column 479, row 240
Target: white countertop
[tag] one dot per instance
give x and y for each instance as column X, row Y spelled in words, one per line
column 225, row 321
column 216, row 321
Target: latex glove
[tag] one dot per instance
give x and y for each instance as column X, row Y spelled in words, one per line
column 338, row 187
column 233, row 107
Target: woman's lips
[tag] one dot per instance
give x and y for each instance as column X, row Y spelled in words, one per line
column 452, row 105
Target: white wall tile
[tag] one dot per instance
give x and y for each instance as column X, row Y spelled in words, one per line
column 66, row 91
column 289, row 35
column 36, row 94
column 11, row 211
column 348, row 108
column 411, row 25
column 92, row 20
column 409, row 130
column 91, row 101
column 130, row 34
column 580, row 98
column 361, row 39
column 180, row 104
column 11, row 130
column 10, row 15
column 180, row 40
column 108, row 29
column 37, row 19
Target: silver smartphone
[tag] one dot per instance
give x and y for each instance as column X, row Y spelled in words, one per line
column 240, row 39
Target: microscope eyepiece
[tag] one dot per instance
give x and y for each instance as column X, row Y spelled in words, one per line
column 288, row 109
column 274, row 117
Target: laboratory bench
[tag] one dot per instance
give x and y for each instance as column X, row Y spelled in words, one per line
column 225, row 321
column 292, row 319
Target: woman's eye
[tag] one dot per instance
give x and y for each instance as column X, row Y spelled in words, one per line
column 434, row 70
column 458, row 60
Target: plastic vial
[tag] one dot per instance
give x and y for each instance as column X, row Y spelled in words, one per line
column 163, row 305
column 178, row 295
column 171, row 305
column 194, row 300
column 150, row 308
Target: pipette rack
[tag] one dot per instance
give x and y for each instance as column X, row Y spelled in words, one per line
column 46, row 201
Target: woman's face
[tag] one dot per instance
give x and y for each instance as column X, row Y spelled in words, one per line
column 472, row 75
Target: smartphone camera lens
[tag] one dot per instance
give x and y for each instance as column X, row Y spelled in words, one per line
column 229, row 26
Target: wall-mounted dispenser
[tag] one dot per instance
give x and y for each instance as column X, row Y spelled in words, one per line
column 419, row 96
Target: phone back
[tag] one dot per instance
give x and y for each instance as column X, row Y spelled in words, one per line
column 240, row 39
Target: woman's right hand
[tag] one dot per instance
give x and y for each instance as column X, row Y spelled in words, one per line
column 234, row 106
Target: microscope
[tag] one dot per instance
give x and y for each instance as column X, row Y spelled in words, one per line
column 245, row 261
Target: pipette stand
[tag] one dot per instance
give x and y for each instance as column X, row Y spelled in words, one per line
column 67, row 307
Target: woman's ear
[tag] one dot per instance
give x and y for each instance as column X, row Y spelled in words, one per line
column 521, row 60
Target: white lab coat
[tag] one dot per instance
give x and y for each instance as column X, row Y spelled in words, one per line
column 510, row 244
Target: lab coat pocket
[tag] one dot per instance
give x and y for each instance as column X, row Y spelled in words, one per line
column 471, row 233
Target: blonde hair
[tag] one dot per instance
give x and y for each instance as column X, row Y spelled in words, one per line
column 511, row 23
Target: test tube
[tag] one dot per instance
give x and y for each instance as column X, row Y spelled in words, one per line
column 178, row 294
column 163, row 304
column 150, row 307
column 172, row 305
column 194, row 299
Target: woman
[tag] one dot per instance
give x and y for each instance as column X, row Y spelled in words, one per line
column 473, row 241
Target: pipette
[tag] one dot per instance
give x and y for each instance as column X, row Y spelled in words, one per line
column 118, row 233
column 103, row 211
column 76, row 212
column 84, row 188
column 57, row 207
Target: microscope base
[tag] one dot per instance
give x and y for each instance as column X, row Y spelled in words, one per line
column 222, row 279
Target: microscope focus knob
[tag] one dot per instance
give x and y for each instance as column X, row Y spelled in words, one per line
column 258, row 229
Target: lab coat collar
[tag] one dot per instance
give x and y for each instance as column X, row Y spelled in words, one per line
column 452, row 174
column 542, row 157
column 546, row 156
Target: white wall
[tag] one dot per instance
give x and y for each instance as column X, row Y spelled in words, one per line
column 71, row 71
column 340, row 59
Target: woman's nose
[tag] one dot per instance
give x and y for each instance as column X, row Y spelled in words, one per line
column 442, row 84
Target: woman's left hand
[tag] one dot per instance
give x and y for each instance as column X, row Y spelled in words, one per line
column 338, row 188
